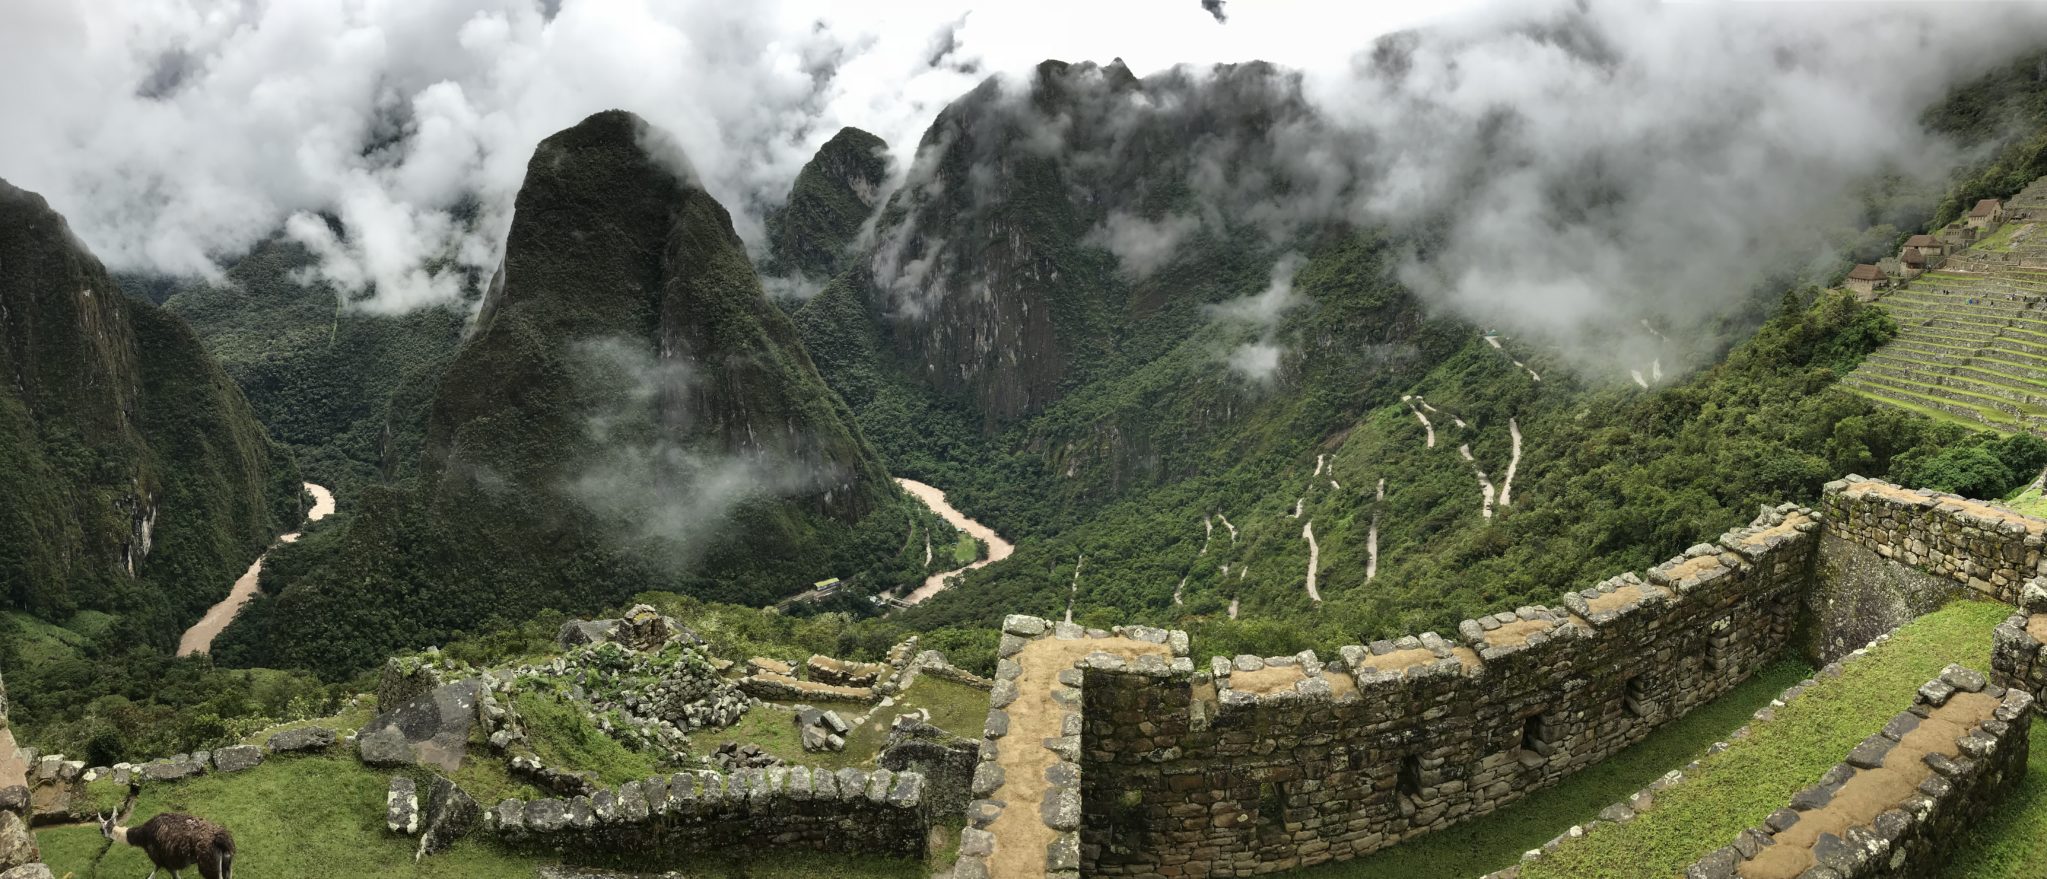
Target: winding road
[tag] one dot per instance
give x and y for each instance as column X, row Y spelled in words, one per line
column 199, row 638
column 998, row 549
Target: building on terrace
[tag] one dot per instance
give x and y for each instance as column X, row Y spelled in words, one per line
column 1866, row 279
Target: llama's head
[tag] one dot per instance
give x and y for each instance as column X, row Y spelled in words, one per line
column 110, row 825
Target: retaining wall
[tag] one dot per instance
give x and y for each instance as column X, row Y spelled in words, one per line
column 851, row 810
column 1896, row 807
column 2017, row 658
column 1254, row 765
column 1990, row 551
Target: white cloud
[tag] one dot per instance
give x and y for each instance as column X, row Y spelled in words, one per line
column 175, row 134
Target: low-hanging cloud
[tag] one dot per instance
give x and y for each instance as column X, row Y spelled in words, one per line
column 1561, row 170
column 1261, row 313
column 176, row 134
column 668, row 496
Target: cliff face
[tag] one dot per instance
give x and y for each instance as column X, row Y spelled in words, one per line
column 136, row 479
column 994, row 267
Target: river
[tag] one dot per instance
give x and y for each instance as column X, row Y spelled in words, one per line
column 998, row 549
column 199, row 638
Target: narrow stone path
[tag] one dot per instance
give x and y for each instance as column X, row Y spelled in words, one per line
column 1485, row 486
column 998, row 549
column 1429, row 430
column 1372, row 538
column 1314, row 560
column 1513, row 463
column 1495, row 342
column 1021, row 835
column 199, row 638
column 1073, row 591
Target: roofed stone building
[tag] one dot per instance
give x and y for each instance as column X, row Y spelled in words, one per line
column 1865, row 280
column 1987, row 213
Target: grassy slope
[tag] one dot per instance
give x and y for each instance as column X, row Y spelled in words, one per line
column 324, row 816
column 1736, row 788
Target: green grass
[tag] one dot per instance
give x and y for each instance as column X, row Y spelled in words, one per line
column 2012, row 841
column 42, row 643
column 2001, row 240
column 1736, row 788
column 563, row 736
column 955, row 707
column 1497, row 840
column 967, row 550
column 324, row 816
column 311, row 816
column 2029, row 502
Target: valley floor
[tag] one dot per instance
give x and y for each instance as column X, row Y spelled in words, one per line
column 199, row 638
column 998, row 549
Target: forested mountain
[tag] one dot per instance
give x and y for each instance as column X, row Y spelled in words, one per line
column 136, row 480
column 343, row 387
column 1173, row 416
column 627, row 413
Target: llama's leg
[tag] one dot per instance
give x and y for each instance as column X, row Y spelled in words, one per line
column 152, row 871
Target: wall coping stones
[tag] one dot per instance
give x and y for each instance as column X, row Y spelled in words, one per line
column 1913, row 834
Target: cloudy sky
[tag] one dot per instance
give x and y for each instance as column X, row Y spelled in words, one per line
column 176, row 133
column 1627, row 160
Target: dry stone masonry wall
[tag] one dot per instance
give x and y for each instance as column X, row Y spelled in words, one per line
column 1895, row 807
column 1254, row 765
column 2017, row 659
column 1972, row 544
column 851, row 810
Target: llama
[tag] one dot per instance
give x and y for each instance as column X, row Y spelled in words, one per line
column 175, row 842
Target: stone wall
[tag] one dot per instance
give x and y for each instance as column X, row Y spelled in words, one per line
column 2016, row 657
column 1903, row 797
column 1974, row 545
column 851, row 810
column 1254, row 765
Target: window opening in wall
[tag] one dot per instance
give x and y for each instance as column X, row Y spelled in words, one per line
column 1407, row 784
column 1535, row 746
column 1634, row 698
column 1272, row 804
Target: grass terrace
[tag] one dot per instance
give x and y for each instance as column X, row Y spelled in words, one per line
column 1736, row 788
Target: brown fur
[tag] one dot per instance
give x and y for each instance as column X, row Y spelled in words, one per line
column 177, row 842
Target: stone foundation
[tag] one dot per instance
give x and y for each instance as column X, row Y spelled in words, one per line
column 2016, row 657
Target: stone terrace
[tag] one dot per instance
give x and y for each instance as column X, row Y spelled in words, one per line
column 1972, row 341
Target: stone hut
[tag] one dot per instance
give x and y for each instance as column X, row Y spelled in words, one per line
column 1986, row 214
column 1865, row 280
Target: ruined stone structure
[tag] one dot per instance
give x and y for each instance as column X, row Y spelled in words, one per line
column 879, row 812
column 1114, row 754
column 2017, row 658
column 1896, row 806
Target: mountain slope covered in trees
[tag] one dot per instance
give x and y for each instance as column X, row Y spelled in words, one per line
column 137, row 483
column 1162, row 420
column 628, row 413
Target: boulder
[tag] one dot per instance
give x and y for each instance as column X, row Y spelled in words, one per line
column 386, row 747
column 431, row 730
column 17, row 844
column 29, row 871
column 14, row 799
column 401, row 806
column 645, row 629
column 171, row 770
column 306, row 738
column 236, row 758
column 450, row 815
